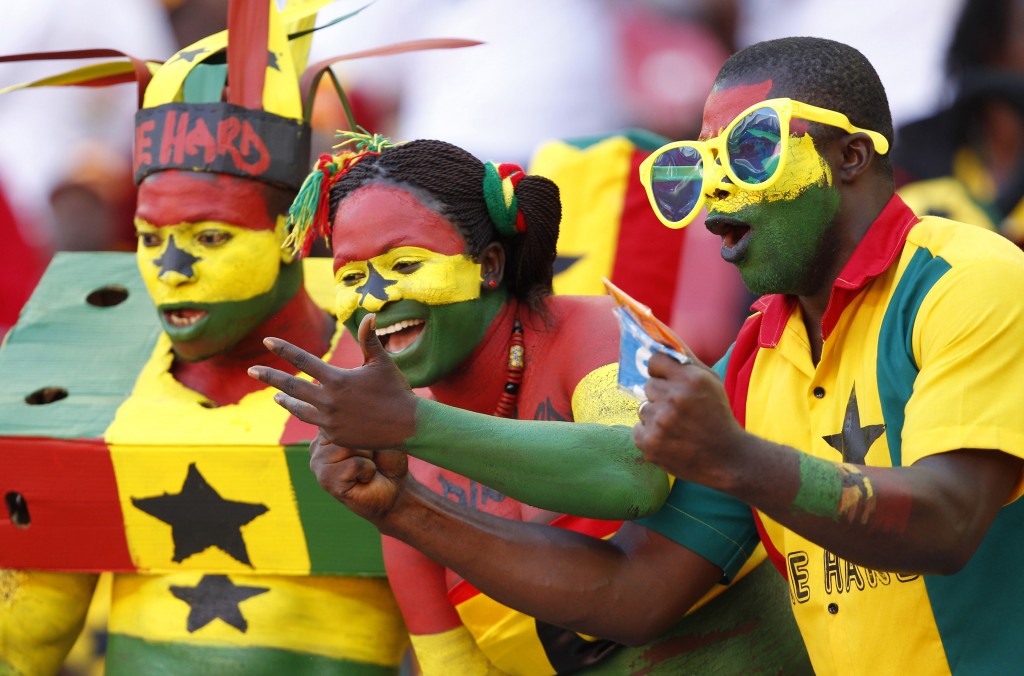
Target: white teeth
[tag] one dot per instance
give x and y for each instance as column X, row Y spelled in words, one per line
column 183, row 320
column 398, row 326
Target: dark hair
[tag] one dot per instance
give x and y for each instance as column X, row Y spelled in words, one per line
column 982, row 34
column 821, row 72
column 450, row 180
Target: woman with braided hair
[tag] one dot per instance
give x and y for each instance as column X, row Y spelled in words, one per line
column 443, row 265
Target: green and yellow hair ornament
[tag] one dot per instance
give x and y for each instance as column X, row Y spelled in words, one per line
column 499, row 193
column 309, row 215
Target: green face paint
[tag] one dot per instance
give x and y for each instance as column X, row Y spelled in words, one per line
column 821, row 488
column 448, row 333
column 221, row 325
column 792, row 244
column 792, row 240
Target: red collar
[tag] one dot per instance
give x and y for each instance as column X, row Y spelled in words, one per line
column 879, row 248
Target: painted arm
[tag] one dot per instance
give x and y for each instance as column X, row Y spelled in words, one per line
column 630, row 588
column 926, row 518
column 373, row 407
column 41, row 616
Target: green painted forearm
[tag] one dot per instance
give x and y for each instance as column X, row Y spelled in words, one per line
column 575, row 468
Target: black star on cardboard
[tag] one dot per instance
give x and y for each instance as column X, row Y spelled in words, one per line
column 200, row 518
column 855, row 440
column 375, row 285
column 176, row 259
column 216, row 597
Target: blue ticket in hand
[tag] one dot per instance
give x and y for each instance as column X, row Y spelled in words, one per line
column 635, row 349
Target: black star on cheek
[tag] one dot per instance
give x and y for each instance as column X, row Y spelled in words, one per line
column 200, row 518
column 375, row 285
column 216, row 597
column 272, row 61
column 563, row 263
column 188, row 55
column 177, row 260
column 854, row 441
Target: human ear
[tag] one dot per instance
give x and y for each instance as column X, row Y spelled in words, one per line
column 492, row 264
column 857, row 154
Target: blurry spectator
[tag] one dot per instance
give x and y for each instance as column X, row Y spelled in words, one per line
column 967, row 161
column 671, row 52
column 74, row 137
column 548, row 70
column 904, row 39
column 68, row 148
column 22, row 267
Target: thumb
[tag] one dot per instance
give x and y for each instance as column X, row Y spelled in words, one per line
column 392, row 463
column 373, row 351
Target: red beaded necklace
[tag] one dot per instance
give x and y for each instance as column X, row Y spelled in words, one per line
column 513, row 372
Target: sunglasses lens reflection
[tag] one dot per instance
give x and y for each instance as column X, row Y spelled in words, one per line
column 677, row 177
column 755, row 146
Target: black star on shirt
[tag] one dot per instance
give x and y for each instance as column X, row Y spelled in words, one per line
column 199, row 518
column 375, row 285
column 854, row 441
column 176, row 259
column 215, row 597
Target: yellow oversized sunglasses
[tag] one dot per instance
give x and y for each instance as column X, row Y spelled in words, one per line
column 751, row 150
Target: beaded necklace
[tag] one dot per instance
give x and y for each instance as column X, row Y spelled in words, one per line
column 513, row 372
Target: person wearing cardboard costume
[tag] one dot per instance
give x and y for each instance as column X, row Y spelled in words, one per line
column 182, row 480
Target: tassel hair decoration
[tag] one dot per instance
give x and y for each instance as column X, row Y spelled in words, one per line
column 308, row 216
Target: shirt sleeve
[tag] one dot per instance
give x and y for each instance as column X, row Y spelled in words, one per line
column 968, row 390
column 712, row 524
column 707, row 522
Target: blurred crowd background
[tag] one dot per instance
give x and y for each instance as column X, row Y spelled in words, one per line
column 549, row 69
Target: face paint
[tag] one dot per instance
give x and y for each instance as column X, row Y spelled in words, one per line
column 407, row 263
column 212, row 282
column 781, row 239
column 435, row 339
column 377, row 218
column 210, row 197
column 407, row 272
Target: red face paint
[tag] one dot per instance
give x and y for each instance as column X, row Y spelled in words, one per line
column 174, row 196
column 377, row 218
column 723, row 105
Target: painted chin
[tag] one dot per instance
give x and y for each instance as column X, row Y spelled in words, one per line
column 402, row 335
column 735, row 237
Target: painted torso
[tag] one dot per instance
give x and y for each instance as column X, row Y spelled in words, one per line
column 582, row 338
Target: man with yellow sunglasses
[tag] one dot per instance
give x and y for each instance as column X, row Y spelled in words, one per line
column 867, row 411
column 869, row 404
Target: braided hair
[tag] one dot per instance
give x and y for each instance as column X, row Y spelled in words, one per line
column 450, row 180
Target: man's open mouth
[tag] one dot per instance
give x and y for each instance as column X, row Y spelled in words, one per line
column 183, row 317
column 735, row 236
column 401, row 334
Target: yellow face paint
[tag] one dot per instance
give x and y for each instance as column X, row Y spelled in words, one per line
column 804, row 167
column 208, row 261
column 406, row 272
